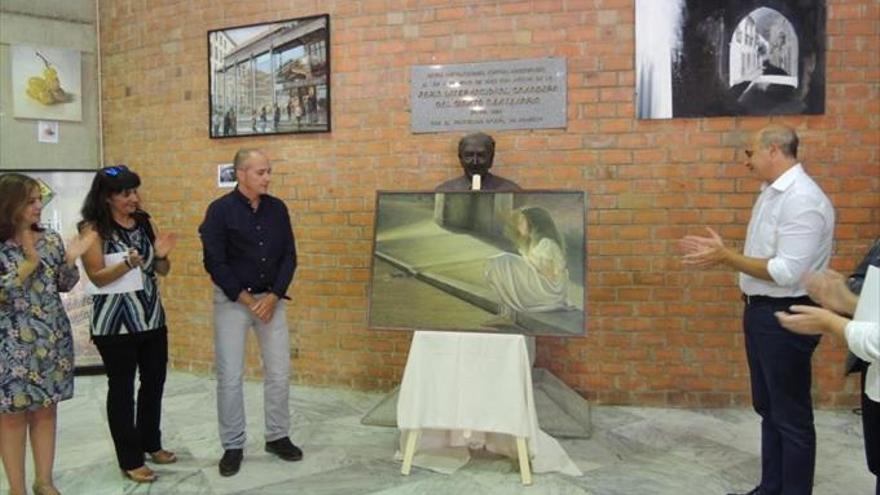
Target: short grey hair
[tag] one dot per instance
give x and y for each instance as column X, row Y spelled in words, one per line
column 782, row 136
column 242, row 156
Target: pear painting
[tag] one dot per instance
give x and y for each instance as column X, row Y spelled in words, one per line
column 46, row 83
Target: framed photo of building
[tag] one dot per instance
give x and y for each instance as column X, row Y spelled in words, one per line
column 704, row 58
column 270, row 78
column 511, row 262
column 64, row 192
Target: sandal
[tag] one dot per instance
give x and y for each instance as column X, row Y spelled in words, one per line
column 142, row 474
column 162, row 456
column 48, row 489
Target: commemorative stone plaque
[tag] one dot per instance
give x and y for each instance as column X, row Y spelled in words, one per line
column 513, row 94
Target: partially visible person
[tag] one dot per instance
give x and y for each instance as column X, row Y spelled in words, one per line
column 834, row 292
column 537, row 278
column 36, row 345
column 476, row 153
column 129, row 328
column 789, row 235
column 250, row 254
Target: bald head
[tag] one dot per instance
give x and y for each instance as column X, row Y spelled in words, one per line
column 782, row 136
column 240, row 161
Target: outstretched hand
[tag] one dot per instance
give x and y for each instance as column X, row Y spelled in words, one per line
column 811, row 320
column 703, row 251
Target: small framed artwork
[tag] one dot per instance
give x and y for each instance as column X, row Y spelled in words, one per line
column 511, row 262
column 47, row 131
column 64, row 192
column 270, row 78
column 226, row 176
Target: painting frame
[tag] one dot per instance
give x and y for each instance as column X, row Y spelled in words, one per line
column 721, row 58
column 269, row 78
column 46, row 83
column 61, row 213
column 447, row 261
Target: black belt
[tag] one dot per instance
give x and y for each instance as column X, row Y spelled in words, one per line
column 752, row 300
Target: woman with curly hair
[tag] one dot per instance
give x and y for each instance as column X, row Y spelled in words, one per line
column 128, row 328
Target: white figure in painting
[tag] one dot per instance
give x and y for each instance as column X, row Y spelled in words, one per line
column 536, row 279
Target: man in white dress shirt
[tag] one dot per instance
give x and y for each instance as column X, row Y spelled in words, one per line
column 789, row 235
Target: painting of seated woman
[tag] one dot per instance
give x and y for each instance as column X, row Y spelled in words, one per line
column 510, row 262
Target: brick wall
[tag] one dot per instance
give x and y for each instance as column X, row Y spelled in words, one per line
column 657, row 334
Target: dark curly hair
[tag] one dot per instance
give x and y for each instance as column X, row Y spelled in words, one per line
column 96, row 208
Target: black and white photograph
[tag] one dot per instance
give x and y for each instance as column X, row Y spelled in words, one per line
column 226, row 176
column 270, row 78
column 705, row 58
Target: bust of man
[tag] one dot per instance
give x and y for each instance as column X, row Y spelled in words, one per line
column 475, row 154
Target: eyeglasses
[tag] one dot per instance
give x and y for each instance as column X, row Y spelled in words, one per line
column 114, row 170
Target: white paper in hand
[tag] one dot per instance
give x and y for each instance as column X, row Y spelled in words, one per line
column 132, row 281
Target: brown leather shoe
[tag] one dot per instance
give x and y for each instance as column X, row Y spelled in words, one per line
column 162, row 456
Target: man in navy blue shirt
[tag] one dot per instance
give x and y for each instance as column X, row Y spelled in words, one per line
column 250, row 253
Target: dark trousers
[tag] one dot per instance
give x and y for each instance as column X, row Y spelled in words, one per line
column 871, row 427
column 781, row 377
column 123, row 355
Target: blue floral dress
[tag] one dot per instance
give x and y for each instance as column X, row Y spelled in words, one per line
column 36, row 345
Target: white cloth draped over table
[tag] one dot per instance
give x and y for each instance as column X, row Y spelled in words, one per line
column 473, row 389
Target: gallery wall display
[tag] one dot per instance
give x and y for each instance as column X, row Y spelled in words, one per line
column 46, row 83
column 479, row 261
column 270, row 78
column 63, row 194
column 703, row 58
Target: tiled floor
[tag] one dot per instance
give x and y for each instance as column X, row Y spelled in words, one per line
column 633, row 451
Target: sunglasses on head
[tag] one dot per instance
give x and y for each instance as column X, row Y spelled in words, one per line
column 114, row 170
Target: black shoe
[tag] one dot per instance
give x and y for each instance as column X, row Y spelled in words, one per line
column 230, row 463
column 284, row 449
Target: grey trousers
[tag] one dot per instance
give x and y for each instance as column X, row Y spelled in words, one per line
column 231, row 323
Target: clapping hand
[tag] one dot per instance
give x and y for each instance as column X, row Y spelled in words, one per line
column 701, row 251
column 829, row 289
column 134, row 259
column 810, row 320
column 78, row 245
column 165, row 242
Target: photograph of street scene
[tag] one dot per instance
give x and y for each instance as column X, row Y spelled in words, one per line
column 700, row 58
column 271, row 78
column 480, row 261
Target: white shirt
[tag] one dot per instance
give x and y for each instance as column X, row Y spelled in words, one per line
column 792, row 226
column 863, row 339
column 863, row 332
